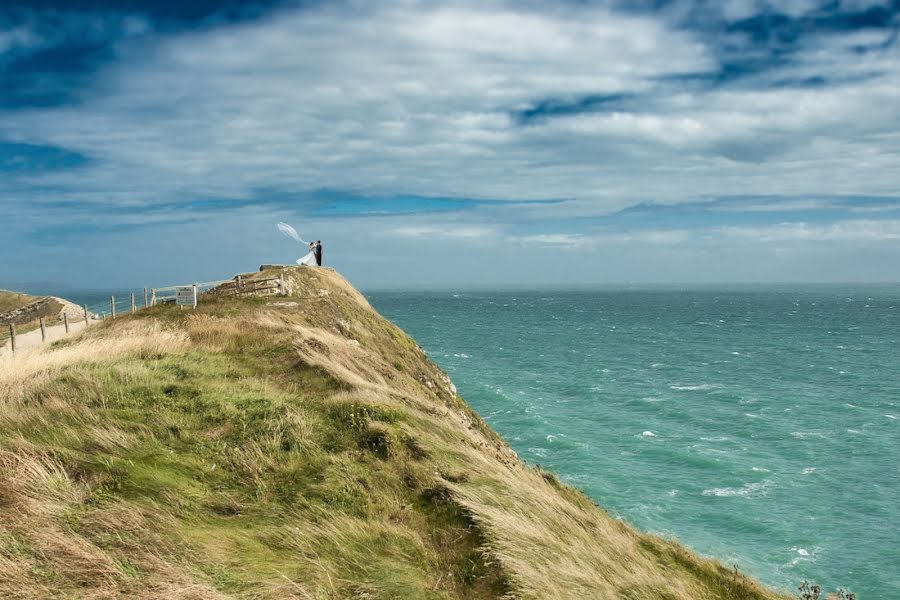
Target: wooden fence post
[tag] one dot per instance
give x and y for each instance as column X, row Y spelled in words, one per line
column 12, row 336
column 132, row 303
column 86, row 321
column 145, row 297
column 66, row 321
column 112, row 306
column 43, row 330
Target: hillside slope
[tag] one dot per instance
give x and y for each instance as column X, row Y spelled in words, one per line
column 13, row 300
column 296, row 447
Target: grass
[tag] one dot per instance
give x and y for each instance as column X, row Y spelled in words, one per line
column 13, row 300
column 246, row 450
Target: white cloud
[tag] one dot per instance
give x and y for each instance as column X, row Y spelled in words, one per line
column 857, row 231
column 404, row 97
column 440, row 232
column 552, row 240
column 20, row 37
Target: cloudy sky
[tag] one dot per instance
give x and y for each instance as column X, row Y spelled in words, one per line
column 471, row 142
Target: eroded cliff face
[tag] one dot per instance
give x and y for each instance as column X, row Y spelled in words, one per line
column 290, row 447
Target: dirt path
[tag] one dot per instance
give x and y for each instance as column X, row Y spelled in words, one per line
column 32, row 339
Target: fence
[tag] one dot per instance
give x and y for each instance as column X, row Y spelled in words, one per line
column 132, row 301
column 167, row 294
column 252, row 287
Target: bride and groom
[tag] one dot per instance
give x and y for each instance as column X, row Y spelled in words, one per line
column 314, row 258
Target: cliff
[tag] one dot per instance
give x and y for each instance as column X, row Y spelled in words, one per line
column 290, row 447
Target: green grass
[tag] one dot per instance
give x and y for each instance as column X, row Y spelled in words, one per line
column 233, row 445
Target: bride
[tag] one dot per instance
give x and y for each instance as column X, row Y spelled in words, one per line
column 310, row 259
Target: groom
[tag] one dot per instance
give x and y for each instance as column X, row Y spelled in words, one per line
column 318, row 251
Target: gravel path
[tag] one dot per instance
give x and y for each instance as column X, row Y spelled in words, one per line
column 32, row 339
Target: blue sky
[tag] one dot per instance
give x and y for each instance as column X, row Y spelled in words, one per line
column 463, row 143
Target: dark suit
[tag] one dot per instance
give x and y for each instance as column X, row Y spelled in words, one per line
column 319, row 254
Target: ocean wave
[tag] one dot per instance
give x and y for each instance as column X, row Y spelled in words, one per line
column 803, row 555
column 808, row 470
column 748, row 490
column 694, row 388
column 648, row 434
column 802, row 435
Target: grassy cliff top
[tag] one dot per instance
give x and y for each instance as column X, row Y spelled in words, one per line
column 13, row 300
column 290, row 447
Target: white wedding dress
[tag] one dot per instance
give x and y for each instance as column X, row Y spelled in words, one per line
column 309, row 260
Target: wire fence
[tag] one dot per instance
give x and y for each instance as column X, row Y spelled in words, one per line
column 120, row 303
column 133, row 300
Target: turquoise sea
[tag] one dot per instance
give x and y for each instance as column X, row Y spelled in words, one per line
column 760, row 426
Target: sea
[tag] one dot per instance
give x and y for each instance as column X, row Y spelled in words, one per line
column 759, row 425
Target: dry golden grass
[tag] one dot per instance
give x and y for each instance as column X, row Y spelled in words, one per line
column 27, row 369
column 13, row 300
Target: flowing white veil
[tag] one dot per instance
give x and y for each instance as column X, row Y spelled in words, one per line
column 308, row 260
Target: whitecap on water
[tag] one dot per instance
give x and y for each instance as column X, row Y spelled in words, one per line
column 760, row 470
column 694, row 388
column 802, row 435
column 648, row 434
column 808, row 470
column 652, row 399
column 748, row 490
column 890, row 416
column 803, row 554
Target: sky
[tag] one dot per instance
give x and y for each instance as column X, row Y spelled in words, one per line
column 471, row 143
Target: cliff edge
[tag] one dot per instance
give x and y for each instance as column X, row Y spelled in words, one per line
column 298, row 446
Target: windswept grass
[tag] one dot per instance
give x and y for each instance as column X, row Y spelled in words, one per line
column 13, row 300
column 254, row 449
